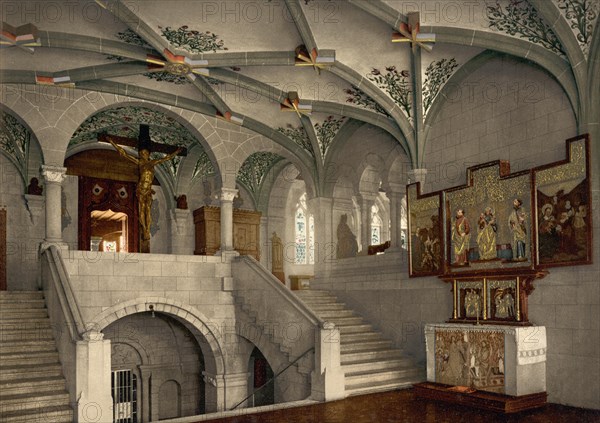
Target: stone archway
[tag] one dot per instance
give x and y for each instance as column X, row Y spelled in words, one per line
column 205, row 333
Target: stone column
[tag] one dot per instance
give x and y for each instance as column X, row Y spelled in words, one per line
column 92, row 381
column 327, row 380
column 325, row 241
column 226, row 197
column 53, row 177
column 365, row 227
column 180, row 231
column 396, row 195
column 225, row 391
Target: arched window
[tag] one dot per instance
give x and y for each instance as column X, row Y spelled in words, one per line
column 304, row 225
column 375, row 225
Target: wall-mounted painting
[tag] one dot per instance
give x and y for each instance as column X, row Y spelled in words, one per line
column 425, row 229
column 564, row 214
column 489, row 220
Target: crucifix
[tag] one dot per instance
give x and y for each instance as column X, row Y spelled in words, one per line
column 146, row 168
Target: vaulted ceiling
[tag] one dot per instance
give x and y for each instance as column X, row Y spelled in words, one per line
column 295, row 71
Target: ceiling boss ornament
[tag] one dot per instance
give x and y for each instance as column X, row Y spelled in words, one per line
column 411, row 33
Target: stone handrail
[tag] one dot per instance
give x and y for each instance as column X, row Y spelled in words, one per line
column 274, row 304
column 60, row 284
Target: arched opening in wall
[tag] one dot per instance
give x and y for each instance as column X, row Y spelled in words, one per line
column 157, row 367
column 169, row 400
column 261, row 382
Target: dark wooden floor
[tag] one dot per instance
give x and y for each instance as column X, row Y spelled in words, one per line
column 403, row 406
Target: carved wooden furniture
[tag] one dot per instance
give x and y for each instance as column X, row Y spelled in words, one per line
column 246, row 231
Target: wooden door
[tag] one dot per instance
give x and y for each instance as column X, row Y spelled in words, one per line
column 105, row 194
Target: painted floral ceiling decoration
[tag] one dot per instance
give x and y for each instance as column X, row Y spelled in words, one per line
column 582, row 16
column 436, row 75
column 327, row 131
column 299, row 136
column 397, row 84
column 14, row 140
column 192, row 40
column 125, row 121
column 204, row 167
column 358, row 97
column 254, row 169
column 130, row 37
column 519, row 18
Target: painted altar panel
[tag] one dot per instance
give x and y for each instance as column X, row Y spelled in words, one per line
column 425, row 240
column 470, row 358
column 563, row 200
column 489, row 221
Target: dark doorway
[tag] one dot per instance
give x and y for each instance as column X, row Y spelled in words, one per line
column 262, row 376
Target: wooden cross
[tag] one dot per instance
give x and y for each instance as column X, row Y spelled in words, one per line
column 143, row 142
column 24, row 36
column 410, row 33
column 292, row 104
column 304, row 58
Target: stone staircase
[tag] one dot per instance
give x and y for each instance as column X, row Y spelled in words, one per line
column 32, row 386
column 369, row 362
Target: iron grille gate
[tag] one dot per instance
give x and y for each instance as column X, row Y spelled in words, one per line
column 124, row 394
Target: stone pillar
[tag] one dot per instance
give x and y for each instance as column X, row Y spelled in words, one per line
column 53, row 177
column 417, row 175
column 365, row 227
column 325, row 239
column 226, row 197
column 92, row 381
column 327, row 380
column 395, row 195
column 180, row 231
column 225, row 391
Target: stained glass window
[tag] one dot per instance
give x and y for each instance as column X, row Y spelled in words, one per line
column 375, row 225
column 305, row 233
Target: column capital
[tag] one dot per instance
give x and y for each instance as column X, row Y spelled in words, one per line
column 228, row 194
column 53, row 174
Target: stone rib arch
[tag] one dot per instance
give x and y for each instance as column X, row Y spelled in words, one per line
column 190, row 316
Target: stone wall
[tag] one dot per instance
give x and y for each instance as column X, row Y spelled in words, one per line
column 514, row 112
column 23, row 235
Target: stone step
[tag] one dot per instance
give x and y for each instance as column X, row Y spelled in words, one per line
column 59, row 414
column 24, row 346
column 345, row 321
column 376, row 365
column 312, row 293
column 22, row 313
column 368, row 376
column 330, row 299
column 21, row 295
column 388, row 385
column 317, row 308
column 327, row 314
column 32, row 385
column 10, row 304
column 368, row 336
column 360, row 356
column 30, row 324
column 37, row 357
column 21, row 402
column 354, row 346
column 9, row 373
column 354, row 328
column 19, row 335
